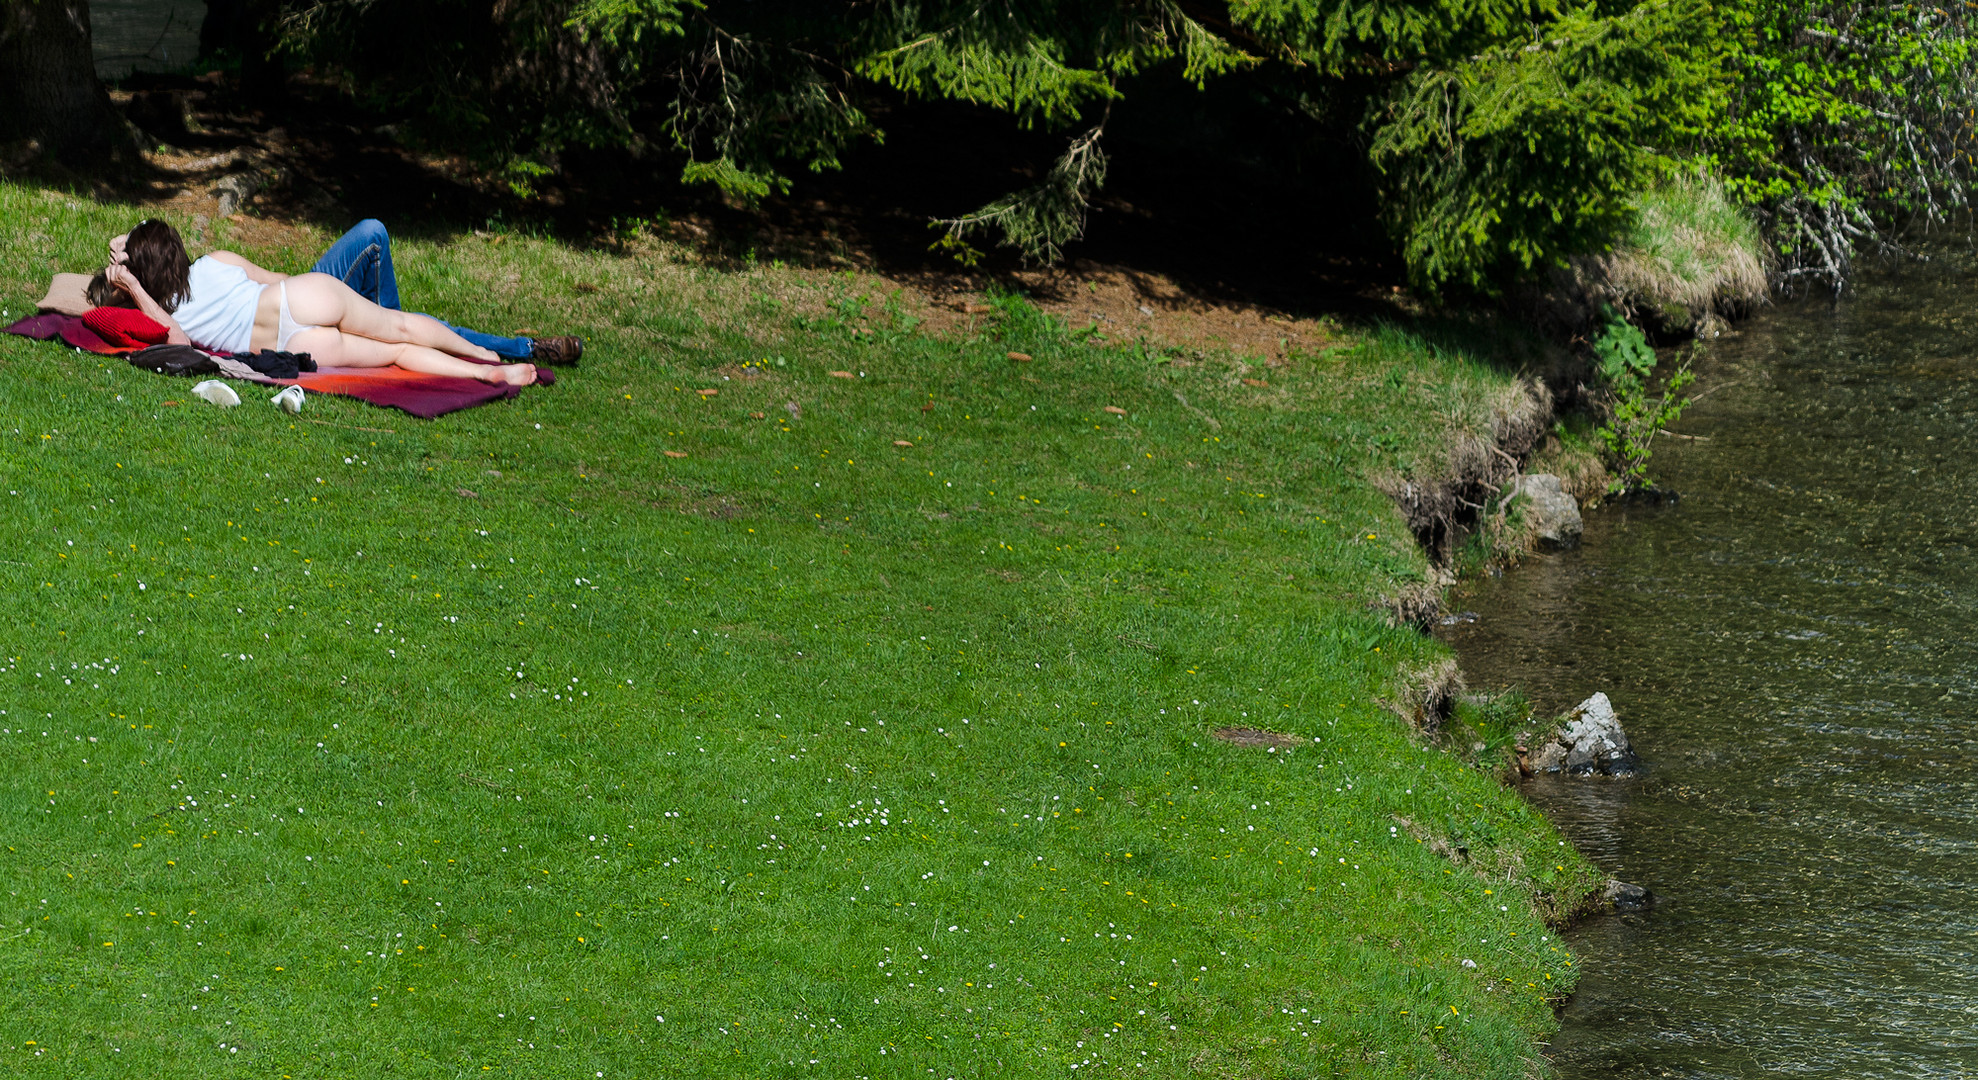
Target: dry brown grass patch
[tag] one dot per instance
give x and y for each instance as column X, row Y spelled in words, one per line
column 1243, row 736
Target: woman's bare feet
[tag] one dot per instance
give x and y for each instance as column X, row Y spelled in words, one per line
column 511, row 375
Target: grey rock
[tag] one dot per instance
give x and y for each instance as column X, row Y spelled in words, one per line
column 1553, row 514
column 1622, row 896
column 1550, row 758
column 1589, row 741
column 235, row 191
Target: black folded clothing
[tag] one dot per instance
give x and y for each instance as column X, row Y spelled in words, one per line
column 277, row 365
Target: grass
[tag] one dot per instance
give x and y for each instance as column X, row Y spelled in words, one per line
column 352, row 745
column 1692, row 255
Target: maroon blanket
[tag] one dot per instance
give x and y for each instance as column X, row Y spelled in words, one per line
column 423, row 396
column 68, row 328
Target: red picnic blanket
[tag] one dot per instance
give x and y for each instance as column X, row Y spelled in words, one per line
column 423, row 396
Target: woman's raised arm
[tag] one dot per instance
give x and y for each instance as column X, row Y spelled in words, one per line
column 119, row 275
column 256, row 274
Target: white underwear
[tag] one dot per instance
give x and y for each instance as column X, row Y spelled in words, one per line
column 287, row 328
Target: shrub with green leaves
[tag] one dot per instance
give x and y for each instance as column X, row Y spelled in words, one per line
column 1509, row 135
column 1624, row 363
column 1512, row 132
column 1844, row 119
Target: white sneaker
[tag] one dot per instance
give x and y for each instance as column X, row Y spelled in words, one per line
column 218, row 393
column 289, row 400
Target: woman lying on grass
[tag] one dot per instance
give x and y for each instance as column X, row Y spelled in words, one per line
column 224, row 303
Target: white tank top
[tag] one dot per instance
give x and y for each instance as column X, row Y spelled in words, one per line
column 220, row 315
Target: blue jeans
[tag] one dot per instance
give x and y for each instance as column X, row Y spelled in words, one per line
column 361, row 259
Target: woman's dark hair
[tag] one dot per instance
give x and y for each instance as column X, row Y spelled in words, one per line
column 156, row 257
column 103, row 294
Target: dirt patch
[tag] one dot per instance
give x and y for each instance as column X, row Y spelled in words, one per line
column 1162, row 265
column 1243, row 736
column 1123, row 305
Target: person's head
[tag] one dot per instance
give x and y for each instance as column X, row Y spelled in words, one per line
column 156, row 257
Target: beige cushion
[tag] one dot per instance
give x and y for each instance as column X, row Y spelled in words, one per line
column 67, row 294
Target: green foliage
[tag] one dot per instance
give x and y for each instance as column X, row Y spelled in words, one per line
column 1041, row 219
column 1515, row 158
column 1010, row 57
column 723, row 173
column 964, row 253
column 1622, row 356
column 1846, row 118
column 1511, row 129
column 1509, row 135
column 1624, row 362
column 627, row 22
column 1344, row 37
column 521, row 175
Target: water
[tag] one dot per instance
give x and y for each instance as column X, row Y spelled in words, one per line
column 1791, row 647
column 144, row 35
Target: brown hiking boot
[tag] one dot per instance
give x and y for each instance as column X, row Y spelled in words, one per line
column 557, row 351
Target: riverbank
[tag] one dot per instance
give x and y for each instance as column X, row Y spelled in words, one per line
column 790, row 687
column 1788, row 648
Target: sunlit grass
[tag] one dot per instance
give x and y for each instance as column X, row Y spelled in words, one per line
column 1692, row 251
column 349, row 744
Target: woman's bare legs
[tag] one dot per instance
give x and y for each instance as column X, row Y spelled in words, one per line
column 321, row 300
column 332, row 348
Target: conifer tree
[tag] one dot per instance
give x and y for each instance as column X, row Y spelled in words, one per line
column 1508, row 134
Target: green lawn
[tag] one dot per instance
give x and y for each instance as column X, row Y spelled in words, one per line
column 355, row 745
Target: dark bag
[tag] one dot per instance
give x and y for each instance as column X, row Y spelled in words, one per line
column 174, row 360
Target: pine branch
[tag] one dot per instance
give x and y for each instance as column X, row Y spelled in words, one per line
column 1041, row 219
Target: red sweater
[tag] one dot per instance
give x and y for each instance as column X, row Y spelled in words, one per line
column 124, row 328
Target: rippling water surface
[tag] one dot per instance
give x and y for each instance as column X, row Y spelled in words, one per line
column 1794, row 649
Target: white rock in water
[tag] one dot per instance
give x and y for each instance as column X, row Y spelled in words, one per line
column 1591, row 741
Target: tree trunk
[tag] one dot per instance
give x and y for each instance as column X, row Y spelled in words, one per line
column 219, row 32
column 48, row 87
column 246, row 29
